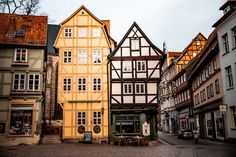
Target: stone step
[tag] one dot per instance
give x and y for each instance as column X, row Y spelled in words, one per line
column 48, row 139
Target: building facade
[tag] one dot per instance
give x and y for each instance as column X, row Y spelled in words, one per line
column 83, row 43
column 207, row 91
column 135, row 67
column 23, row 42
column 226, row 33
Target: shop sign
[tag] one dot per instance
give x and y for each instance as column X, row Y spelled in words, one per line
column 146, row 129
column 222, row 108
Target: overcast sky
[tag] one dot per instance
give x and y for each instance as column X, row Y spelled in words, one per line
column 176, row 22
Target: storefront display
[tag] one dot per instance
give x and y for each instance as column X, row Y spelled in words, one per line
column 209, row 124
column 219, row 126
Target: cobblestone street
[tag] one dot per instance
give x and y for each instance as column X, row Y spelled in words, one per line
column 178, row 148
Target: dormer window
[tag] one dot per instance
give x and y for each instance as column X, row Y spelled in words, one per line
column 226, row 9
column 20, row 56
column 20, row 33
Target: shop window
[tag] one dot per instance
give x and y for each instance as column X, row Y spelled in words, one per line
column 97, row 84
column 219, row 124
column 21, row 121
column 233, row 116
column 2, row 128
column 96, row 118
column 128, row 124
column 209, row 122
column 21, row 56
column 81, row 118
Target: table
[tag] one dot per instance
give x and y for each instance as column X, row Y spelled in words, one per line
column 139, row 140
column 119, row 139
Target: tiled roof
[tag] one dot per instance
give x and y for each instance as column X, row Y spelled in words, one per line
column 23, row 30
column 174, row 54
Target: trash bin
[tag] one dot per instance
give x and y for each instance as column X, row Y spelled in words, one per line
column 88, row 137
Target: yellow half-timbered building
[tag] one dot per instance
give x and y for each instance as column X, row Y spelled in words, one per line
column 83, row 43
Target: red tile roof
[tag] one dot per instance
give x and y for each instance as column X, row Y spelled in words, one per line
column 33, row 30
column 174, row 54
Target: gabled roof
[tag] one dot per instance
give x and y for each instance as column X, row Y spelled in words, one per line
column 212, row 43
column 186, row 49
column 143, row 34
column 80, row 8
column 229, row 2
column 27, row 30
column 52, row 34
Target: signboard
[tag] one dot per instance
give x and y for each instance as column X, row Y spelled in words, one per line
column 146, row 129
column 88, row 136
column 222, row 108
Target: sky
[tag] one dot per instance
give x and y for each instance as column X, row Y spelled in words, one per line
column 175, row 22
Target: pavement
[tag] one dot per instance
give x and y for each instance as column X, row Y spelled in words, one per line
column 170, row 147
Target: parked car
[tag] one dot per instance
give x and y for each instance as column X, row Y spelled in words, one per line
column 185, row 133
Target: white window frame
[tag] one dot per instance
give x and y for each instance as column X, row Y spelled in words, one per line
column 225, row 41
column 127, row 66
column 229, row 77
column 67, row 84
column 66, row 57
column 82, row 84
column 19, row 81
column 140, row 88
column 97, row 84
column 127, row 88
column 141, row 65
column 97, row 120
column 82, row 56
column 82, row 32
column 81, row 118
column 97, row 56
column 34, row 82
column 68, row 32
column 21, row 51
column 96, row 32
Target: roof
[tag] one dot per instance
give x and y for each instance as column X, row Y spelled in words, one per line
column 232, row 12
column 174, row 54
column 229, row 2
column 202, row 58
column 23, row 30
column 52, row 35
column 143, row 34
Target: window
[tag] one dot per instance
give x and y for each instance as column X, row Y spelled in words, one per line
column 198, row 42
column 127, row 66
column 81, row 118
column 97, row 84
column 229, row 77
column 234, row 36
column 21, row 120
column 206, row 73
column 141, row 66
column 82, row 32
column 82, row 56
column 20, row 56
column 208, row 92
column 96, row 56
column 225, row 43
column 67, row 56
column 2, row 128
column 68, row 32
column 214, row 65
column 198, row 102
column 209, row 69
column 140, row 88
column 194, row 53
column 211, row 90
column 201, row 97
column 19, row 82
column 188, row 94
column 67, row 84
column 134, row 44
column 96, row 32
column 33, row 82
column 204, row 94
column 184, row 77
column 81, row 84
column 96, row 118
column 217, row 86
column 127, row 88
column 233, row 116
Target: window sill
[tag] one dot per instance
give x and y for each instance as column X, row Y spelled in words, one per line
column 230, row 88
column 20, row 64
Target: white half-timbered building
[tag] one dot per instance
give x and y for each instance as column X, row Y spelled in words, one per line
column 135, row 71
